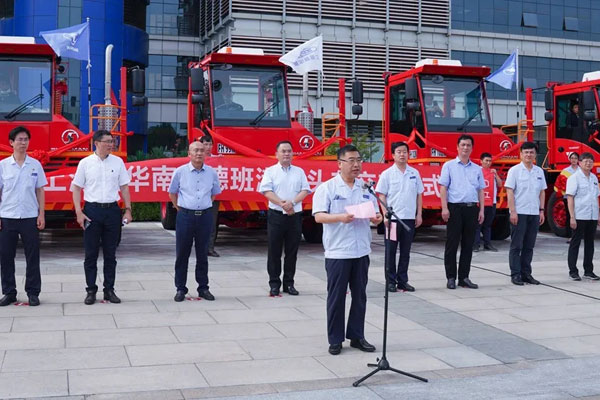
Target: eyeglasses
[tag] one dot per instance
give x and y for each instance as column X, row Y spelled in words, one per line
column 352, row 160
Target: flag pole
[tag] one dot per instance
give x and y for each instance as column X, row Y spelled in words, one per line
column 89, row 74
column 517, row 85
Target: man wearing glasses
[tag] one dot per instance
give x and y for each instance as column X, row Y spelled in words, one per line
column 347, row 243
column 582, row 197
column 101, row 175
column 285, row 186
column 22, row 182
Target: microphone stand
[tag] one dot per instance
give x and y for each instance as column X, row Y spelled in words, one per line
column 383, row 363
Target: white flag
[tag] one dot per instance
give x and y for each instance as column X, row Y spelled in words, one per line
column 306, row 57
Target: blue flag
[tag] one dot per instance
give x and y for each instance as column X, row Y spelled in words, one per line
column 507, row 74
column 71, row 42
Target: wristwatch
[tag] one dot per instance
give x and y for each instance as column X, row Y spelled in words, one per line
column 542, row 209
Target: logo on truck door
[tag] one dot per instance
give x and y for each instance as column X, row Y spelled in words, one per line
column 69, row 136
column 306, row 142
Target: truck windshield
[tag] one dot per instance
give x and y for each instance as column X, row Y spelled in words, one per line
column 25, row 88
column 454, row 104
column 249, row 96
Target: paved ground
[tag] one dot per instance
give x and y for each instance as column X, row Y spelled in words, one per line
column 498, row 342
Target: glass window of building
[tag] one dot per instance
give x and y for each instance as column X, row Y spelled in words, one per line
column 173, row 17
column 529, row 20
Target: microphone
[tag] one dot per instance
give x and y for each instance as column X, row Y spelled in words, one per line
column 368, row 185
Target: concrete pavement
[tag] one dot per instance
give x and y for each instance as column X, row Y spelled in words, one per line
column 500, row 341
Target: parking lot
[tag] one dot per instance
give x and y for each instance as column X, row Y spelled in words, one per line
column 527, row 342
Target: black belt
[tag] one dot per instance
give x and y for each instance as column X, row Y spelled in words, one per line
column 194, row 212
column 464, row 204
column 282, row 213
column 101, row 205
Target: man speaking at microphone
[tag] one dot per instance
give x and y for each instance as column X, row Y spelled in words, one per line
column 347, row 244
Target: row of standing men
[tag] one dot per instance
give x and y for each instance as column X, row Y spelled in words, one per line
column 346, row 240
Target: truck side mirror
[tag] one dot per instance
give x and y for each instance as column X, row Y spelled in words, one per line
column 357, row 92
column 548, row 116
column 412, row 90
column 197, row 98
column 197, row 76
column 138, row 81
column 357, row 109
column 138, row 101
column 549, row 99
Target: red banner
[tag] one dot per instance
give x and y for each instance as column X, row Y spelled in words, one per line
column 239, row 178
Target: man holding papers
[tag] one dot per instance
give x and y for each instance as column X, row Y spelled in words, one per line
column 347, row 243
column 400, row 186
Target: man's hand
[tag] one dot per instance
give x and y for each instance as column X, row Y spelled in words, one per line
column 542, row 217
column 346, row 218
column 81, row 218
column 480, row 217
column 41, row 221
column 418, row 221
column 377, row 220
column 386, row 222
column 445, row 214
column 514, row 218
column 573, row 223
column 287, row 206
column 127, row 216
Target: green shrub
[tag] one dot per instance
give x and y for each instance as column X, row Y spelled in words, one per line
column 145, row 211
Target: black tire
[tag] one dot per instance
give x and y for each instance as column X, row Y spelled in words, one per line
column 556, row 215
column 168, row 215
column 311, row 230
column 501, row 227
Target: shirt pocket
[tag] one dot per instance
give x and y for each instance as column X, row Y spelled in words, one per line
column 338, row 206
column 8, row 183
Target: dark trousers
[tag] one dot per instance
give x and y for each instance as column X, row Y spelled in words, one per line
column 340, row 274
column 283, row 232
column 190, row 228
column 215, row 231
column 489, row 212
column 460, row 230
column 586, row 230
column 522, row 242
column 9, row 236
column 404, row 241
column 104, row 230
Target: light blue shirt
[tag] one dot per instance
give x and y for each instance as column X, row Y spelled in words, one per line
column 463, row 181
column 584, row 190
column 401, row 190
column 18, row 185
column 286, row 183
column 344, row 241
column 527, row 185
column 194, row 187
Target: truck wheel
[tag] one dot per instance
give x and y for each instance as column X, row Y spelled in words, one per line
column 168, row 214
column 501, row 227
column 557, row 215
column 311, row 230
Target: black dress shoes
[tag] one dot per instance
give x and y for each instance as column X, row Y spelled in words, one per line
column 291, row 290
column 489, row 247
column 212, row 253
column 111, row 296
column 466, row 283
column 179, row 296
column 8, row 299
column 392, row 288
column 335, row 349
column 516, row 280
column 406, row 287
column 90, row 298
column 530, row 279
column 206, row 295
column 451, row 284
column 362, row 345
column 34, row 300
column 274, row 292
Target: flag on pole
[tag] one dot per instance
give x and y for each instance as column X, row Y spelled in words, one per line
column 306, row 57
column 507, row 74
column 71, row 42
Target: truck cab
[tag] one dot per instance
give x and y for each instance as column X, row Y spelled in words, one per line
column 240, row 97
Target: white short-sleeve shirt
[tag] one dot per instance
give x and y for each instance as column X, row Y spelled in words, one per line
column 527, row 185
column 584, row 190
column 18, row 184
column 401, row 190
column 286, row 183
column 101, row 179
